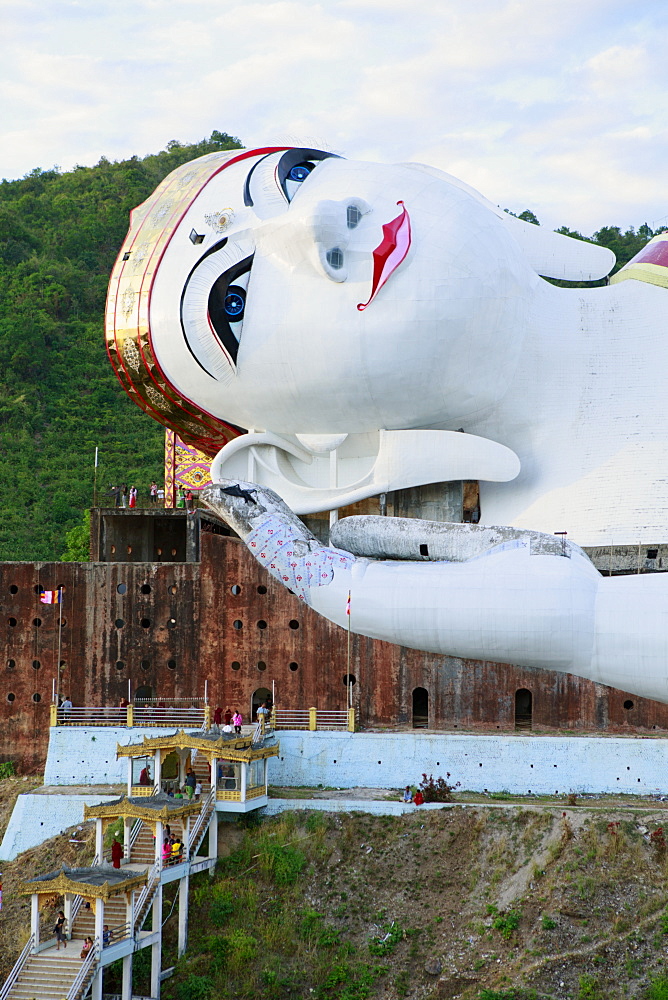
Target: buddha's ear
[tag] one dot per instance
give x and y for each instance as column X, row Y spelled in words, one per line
column 554, row 255
column 550, row 254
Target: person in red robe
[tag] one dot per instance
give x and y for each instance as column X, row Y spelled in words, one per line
column 116, row 854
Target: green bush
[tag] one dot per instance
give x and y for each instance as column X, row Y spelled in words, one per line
column 548, row 924
column 221, row 906
column 283, row 862
column 242, row 949
column 385, row 942
column 7, row 770
column 507, row 923
column 658, row 988
column 195, row 988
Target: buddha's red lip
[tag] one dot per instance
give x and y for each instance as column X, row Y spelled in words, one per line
column 390, row 252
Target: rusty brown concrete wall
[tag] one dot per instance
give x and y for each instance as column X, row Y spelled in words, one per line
column 173, row 627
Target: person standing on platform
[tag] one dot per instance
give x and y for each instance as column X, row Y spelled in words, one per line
column 133, row 496
column 153, row 492
column 59, row 931
column 116, row 854
column 237, row 719
column 217, row 719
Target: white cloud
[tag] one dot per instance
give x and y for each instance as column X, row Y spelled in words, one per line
column 558, row 105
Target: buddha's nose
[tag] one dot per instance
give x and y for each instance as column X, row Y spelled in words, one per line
column 329, row 234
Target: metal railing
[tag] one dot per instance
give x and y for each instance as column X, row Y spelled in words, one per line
column 200, row 827
column 313, row 718
column 145, row 897
column 190, row 713
column 92, row 715
column 18, row 968
column 118, row 933
column 85, row 973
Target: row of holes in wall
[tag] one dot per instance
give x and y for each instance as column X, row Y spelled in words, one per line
column 11, row 697
column 236, row 589
column 37, row 622
column 235, row 665
column 238, row 624
column 120, row 623
column 122, row 588
column 120, row 664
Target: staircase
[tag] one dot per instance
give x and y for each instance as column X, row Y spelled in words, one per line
column 115, row 917
column 48, row 975
column 201, row 769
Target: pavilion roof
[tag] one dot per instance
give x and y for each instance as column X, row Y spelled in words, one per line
column 100, row 881
column 149, row 807
column 223, row 746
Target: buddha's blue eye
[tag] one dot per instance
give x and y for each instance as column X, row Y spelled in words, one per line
column 300, row 172
column 235, row 302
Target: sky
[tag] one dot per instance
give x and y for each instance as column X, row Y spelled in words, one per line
column 560, row 107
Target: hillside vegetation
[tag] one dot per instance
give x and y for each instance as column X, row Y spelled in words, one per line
column 59, row 399
column 477, row 903
column 59, row 236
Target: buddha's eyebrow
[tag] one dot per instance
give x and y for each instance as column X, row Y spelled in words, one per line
column 248, row 199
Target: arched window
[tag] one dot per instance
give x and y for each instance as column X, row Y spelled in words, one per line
column 523, row 709
column 420, row 708
column 260, row 695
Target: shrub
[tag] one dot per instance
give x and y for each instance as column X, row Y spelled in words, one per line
column 507, row 923
column 658, row 988
column 7, row 770
column 195, row 988
column 437, row 789
column 658, row 840
column 221, row 906
column 548, row 924
column 242, row 949
column 385, row 942
column 283, row 862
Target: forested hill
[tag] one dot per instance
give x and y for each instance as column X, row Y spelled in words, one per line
column 59, row 237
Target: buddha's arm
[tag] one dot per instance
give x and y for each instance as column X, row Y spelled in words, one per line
column 523, row 601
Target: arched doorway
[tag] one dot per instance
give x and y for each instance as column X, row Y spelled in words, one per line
column 260, row 695
column 144, row 693
column 420, row 708
column 523, row 709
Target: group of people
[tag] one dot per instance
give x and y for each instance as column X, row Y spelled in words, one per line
column 190, row 789
column 172, row 848
column 61, row 936
column 124, row 497
column 127, row 497
column 225, row 721
column 417, row 798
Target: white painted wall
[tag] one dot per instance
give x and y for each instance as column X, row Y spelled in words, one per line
column 518, row 764
column 87, row 755
column 36, row 817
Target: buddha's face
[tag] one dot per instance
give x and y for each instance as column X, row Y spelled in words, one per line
column 255, row 306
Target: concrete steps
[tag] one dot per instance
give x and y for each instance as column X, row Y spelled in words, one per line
column 115, row 916
column 48, row 975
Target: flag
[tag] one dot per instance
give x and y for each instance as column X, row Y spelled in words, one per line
column 348, row 604
column 50, row 596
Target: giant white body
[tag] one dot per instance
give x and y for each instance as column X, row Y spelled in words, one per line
column 356, row 317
